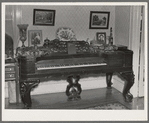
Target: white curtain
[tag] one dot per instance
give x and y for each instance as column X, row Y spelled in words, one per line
column 13, row 17
column 17, row 18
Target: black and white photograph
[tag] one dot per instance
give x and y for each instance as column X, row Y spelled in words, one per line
column 59, row 73
column 34, row 37
column 101, row 37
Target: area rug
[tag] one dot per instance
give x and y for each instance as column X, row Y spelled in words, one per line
column 114, row 105
column 109, row 106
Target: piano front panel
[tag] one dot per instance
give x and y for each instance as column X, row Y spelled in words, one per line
column 41, row 74
column 64, row 65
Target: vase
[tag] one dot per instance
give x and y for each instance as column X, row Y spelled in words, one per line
column 22, row 32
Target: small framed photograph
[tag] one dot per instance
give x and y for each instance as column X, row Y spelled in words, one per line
column 101, row 37
column 34, row 37
column 99, row 20
column 44, row 17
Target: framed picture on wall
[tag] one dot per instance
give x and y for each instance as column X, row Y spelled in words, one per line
column 44, row 17
column 101, row 37
column 34, row 37
column 99, row 20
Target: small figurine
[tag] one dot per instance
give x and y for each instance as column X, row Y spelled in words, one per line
column 87, row 40
column 111, row 37
column 46, row 43
column 73, row 89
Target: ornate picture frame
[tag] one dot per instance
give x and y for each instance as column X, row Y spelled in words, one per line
column 44, row 17
column 34, row 37
column 101, row 37
column 99, row 20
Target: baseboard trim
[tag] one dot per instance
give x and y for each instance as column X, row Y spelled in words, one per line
column 60, row 86
column 118, row 83
column 86, row 84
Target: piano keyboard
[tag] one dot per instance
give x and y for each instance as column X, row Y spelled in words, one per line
column 47, row 67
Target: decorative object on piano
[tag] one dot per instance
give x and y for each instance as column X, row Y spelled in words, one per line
column 107, row 39
column 99, row 20
column 101, row 37
column 29, row 52
column 121, row 47
column 44, row 17
column 34, row 37
column 93, row 42
column 111, row 37
column 73, row 89
column 103, row 48
column 56, row 47
column 46, row 43
column 95, row 46
column 87, row 40
column 110, row 48
column 65, row 34
column 22, row 32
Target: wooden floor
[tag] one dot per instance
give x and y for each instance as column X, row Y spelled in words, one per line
column 89, row 98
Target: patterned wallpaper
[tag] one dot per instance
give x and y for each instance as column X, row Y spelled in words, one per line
column 122, row 19
column 75, row 17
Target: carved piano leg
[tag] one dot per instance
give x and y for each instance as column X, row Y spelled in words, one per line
column 129, row 77
column 25, row 89
column 108, row 79
column 73, row 89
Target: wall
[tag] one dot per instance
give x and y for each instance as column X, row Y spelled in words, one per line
column 122, row 21
column 75, row 17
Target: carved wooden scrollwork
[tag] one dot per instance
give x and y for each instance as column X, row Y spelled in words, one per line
column 129, row 81
column 25, row 89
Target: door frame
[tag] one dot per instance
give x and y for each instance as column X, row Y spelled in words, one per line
column 139, row 86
